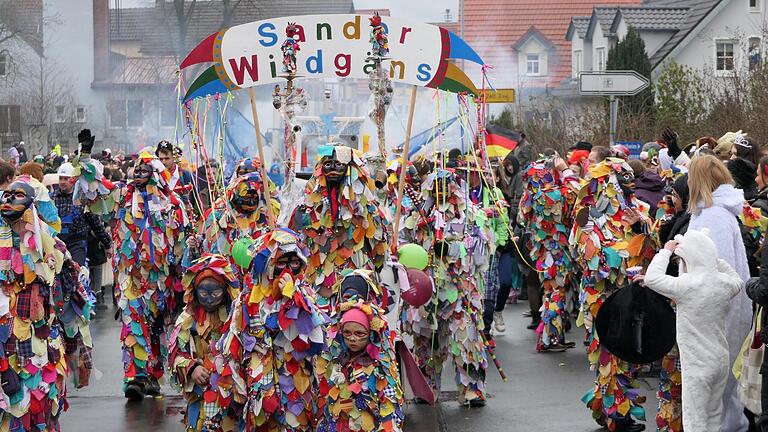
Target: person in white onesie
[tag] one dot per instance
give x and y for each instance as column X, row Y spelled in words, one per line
column 702, row 293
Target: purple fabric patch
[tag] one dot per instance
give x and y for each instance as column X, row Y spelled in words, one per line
column 304, row 323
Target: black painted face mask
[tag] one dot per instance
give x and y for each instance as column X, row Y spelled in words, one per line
column 246, row 197
column 210, row 294
column 289, row 261
column 15, row 200
column 627, row 182
column 141, row 175
column 334, row 170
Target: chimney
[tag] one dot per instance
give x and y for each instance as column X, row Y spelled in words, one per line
column 100, row 40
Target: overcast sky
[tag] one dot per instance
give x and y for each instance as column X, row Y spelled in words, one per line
column 417, row 10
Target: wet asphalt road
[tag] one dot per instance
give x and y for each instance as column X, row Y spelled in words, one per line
column 543, row 392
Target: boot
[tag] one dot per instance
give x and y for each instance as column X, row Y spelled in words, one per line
column 152, row 387
column 535, row 320
column 134, row 391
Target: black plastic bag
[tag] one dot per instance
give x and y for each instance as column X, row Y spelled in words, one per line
column 636, row 324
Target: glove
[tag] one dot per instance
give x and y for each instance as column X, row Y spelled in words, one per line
column 670, row 138
column 86, row 141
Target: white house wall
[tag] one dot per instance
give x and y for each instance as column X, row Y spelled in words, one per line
column 734, row 21
column 533, row 46
column 598, row 41
column 654, row 40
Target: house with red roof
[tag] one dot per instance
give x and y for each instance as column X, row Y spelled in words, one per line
column 523, row 40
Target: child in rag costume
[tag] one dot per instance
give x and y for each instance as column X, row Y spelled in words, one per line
column 702, row 293
column 358, row 375
column 263, row 378
column 451, row 322
column 33, row 365
column 210, row 286
column 148, row 238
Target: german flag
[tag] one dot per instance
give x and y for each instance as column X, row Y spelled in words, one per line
column 499, row 141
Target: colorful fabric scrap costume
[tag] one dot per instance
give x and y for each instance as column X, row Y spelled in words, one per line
column 210, row 286
column 240, row 213
column 361, row 390
column 263, row 378
column 148, row 238
column 607, row 245
column 545, row 212
column 449, row 323
column 378, row 38
column 340, row 221
column 32, row 363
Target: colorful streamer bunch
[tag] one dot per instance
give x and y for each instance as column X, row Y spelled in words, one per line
column 360, row 391
column 264, row 360
column 92, row 189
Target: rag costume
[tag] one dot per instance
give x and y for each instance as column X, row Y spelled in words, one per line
column 263, row 378
column 148, row 237
column 360, row 391
column 240, row 213
column 32, row 360
column 451, row 322
column 721, row 220
column 340, row 221
column 545, row 213
column 702, row 293
column 198, row 328
column 606, row 245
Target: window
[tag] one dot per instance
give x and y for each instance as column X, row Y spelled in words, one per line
column 754, row 5
column 600, row 54
column 724, row 58
column 60, row 114
column 576, row 63
column 80, row 114
column 532, row 64
column 755, row 53
column 10, row 119
column 168, row 109
column 117, row 114
column 5, row 63
column 135, row 115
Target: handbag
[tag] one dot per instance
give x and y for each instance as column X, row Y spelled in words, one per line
column 751, row 359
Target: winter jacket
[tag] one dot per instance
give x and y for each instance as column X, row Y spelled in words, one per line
column 721, row 218
column 757, row 290
column 649, row 188
column 761, row 201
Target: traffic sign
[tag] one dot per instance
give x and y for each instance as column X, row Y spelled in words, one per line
column 500, row 96
column 612, row 83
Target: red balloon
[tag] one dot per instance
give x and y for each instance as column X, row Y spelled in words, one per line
column 420, row 290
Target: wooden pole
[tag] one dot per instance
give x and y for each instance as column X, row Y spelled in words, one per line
column 264, row 177
column 403, row 166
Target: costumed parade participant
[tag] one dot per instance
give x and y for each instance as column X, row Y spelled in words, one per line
column 148, row 237
column 263, row 377
column 702, row 293
column 341, row 223
column 210, row 286
column 450, row 323
column 358, row 374
column 240, row 213
column 33, row 365
column 545, row 213
column 610, row 234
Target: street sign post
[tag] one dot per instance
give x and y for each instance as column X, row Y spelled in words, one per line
column 500, row 96
column 612, row 84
